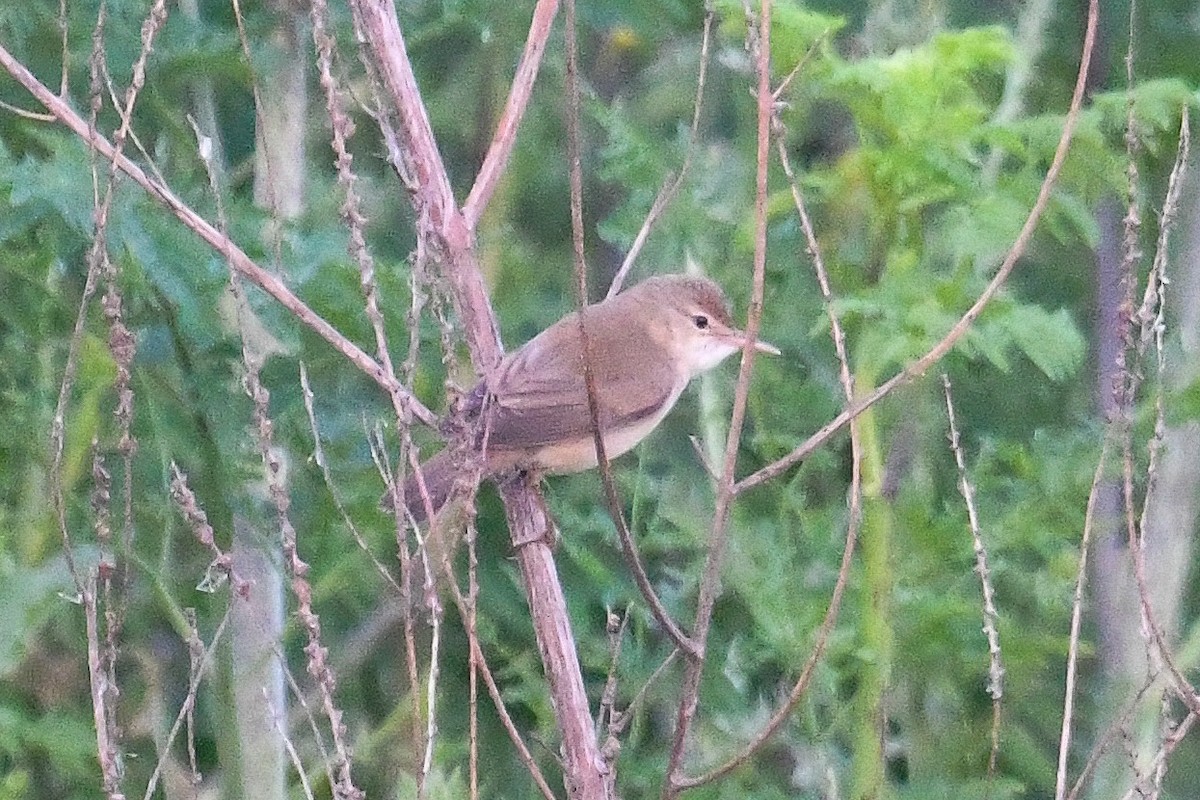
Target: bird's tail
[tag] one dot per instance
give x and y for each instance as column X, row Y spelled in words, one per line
column 438, row 475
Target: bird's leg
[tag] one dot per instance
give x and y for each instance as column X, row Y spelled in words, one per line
column 545, row 530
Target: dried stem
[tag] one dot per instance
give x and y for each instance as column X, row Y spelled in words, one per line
column 1064, row 741
column 189, row 703
column 991, row 617
column 855, row 503
column 615, row 507
column 472, row 626
column 102, row 712
column 318, row 457
column 514, row 110
column 1117, row 727
column 710, row 580
column 1150, row 318
column 446, row 233
column 479, row 662
column 1158, row 763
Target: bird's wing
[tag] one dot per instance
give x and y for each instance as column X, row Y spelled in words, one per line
column 539, row 391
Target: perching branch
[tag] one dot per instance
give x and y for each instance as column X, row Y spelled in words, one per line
column 447, row 234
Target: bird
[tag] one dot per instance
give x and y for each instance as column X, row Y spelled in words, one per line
column 645, row 345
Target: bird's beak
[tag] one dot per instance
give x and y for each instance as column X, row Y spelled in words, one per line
column 738, row 337
column 763, row 347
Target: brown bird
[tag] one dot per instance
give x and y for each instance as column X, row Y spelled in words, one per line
column 646, row 343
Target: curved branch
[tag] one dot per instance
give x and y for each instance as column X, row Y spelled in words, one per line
column 855, row 515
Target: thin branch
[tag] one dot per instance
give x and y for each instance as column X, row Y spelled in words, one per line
column 342, row 127
column 1158, row 763
column 318, row 457
column 626, row 716
column 102, row 713
column 921, row 365
column 31, row 115
column 1064, row 740
column 444, row 230
column 278, row 722
column 471, row 623
column 661, row 615
column 479, row 662
column 189, row 702
column 440, row 223
column 672, row 184
column 855, row 511
column 505, row 137
column 1150, row 317
column 1116, row 728
column 710, row 580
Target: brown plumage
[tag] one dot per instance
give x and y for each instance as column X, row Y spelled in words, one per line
column 646, row 344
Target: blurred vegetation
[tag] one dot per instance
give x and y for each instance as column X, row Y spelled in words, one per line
column 890, row 122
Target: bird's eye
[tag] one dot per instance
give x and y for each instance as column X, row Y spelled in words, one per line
column 700, row 321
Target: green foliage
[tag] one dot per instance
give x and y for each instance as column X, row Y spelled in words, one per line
column 64, row 739
column 916, row 191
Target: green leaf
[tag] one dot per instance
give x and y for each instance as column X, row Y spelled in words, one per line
column 29, row 596
column 1049, row 339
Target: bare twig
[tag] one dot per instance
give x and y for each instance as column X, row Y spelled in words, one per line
column 102, row 712
column 434, row 606
column 855, row 511
column 342, row 127
column 791, row 76
column 102, row 659
column 342, row 783
column 672, row 184
column 626, row 716
column 305, row 711
column 1064, row 741
column 661, row 615
column 607, row 717
column 318, row 457
column 1117, row 727
column 279, row 723
column 24, row 114
column 220, row 568
column 189, row 702
column 472, row 626
column 445, row 231
column 709, row 582
column 1150, row 317
column 479, row 662
column 514, row 109
column 1158, row 763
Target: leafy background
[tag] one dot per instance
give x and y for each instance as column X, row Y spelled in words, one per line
column 917, row 187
